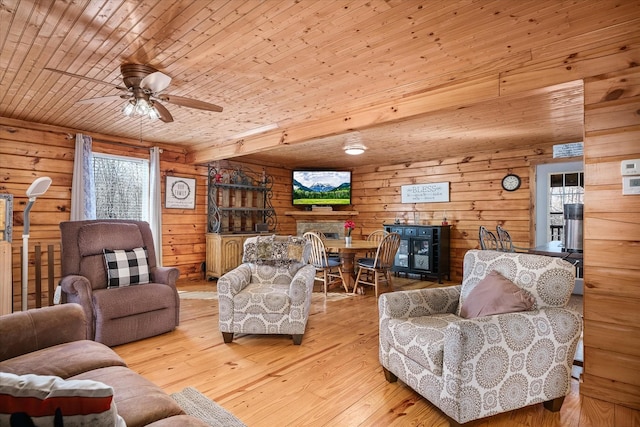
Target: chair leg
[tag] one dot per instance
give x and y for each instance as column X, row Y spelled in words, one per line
column 227, row 337
column 389, row 376
column 326, row 280
column 344, row 282
column 554, row 405
column 389, row 282
column 355, row 284
column 297, row 339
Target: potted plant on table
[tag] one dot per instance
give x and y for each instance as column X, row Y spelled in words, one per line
column 348, row 226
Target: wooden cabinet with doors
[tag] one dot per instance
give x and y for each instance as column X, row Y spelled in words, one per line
column 224, row 252
column 424, row 250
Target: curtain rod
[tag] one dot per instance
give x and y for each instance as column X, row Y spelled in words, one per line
column 106, row 141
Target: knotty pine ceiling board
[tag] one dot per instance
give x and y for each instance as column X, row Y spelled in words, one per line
column 286, row 63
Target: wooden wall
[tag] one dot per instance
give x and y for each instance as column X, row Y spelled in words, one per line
column 29, row 151
column 612, row 240
column 476, row 196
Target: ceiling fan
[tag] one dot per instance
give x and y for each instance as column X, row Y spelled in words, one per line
column 143, row 86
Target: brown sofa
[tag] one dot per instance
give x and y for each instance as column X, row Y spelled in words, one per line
column 116, row 315
column 52, row 341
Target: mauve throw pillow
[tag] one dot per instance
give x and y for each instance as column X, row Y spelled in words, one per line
column 495, row 294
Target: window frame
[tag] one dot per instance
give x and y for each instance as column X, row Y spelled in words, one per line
column 145, row 184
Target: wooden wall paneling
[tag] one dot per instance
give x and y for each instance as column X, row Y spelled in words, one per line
column 31, row 150
column 618, row 392
column 606, row 336
column 476, row 196
column 615, row 366
column 611, row 221
column 625, row 140
column 617, row 282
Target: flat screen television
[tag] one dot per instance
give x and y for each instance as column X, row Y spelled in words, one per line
column 321, row 187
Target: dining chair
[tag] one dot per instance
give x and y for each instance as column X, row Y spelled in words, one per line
column 331, row 255
column 380, row 266
column 376, row 236
column 488, row 240
column 328, row 269
column 505, row 243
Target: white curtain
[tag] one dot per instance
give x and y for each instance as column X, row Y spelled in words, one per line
column 83, row 193
column 155, row 202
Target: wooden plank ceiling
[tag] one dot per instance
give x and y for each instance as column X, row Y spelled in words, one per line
column 285, row 71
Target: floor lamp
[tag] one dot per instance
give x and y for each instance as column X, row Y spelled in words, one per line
column 37, row 188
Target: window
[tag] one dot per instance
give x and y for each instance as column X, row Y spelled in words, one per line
column 557, row 184
column 564, row 188
column 122, row 187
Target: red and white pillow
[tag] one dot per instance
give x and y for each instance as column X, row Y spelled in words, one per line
column 51, row 401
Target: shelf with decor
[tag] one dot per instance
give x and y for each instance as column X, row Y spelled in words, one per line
column 239, row 200
column 239, row 207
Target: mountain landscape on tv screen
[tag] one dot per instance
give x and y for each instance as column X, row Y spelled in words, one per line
column 320, row 193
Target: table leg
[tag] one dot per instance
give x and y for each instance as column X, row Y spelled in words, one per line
column 346, row 267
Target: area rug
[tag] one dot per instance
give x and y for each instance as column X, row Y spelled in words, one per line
column 200, row 406
column 197, row 295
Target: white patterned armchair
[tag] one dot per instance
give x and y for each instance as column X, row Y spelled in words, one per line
column 475, row 367
column 270, row 292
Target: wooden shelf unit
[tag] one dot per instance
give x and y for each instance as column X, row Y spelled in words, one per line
column 239, row 199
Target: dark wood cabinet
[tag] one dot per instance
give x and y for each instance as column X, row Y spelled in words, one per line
column 424, row 250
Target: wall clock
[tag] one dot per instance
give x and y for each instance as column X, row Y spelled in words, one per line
column 511, row 182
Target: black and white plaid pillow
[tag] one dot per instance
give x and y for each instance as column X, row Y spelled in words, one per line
column 126, row 267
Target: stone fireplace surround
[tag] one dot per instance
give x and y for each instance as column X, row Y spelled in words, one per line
column 332, row 229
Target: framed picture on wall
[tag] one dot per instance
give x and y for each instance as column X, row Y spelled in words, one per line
column 180, row 193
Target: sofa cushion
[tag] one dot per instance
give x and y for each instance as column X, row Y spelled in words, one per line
column 50, row 400
column 63, row 360
column 139, row 401
column 261, row 298
column 280, row 251
column 421, row 339
column 126, row 267
column 94, row 237
column 550, row 280
column 115, row 303
column 495, row 294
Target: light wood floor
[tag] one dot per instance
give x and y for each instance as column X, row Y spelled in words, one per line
column 332, row 379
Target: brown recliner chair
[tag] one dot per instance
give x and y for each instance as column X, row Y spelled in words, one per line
column 116, row 315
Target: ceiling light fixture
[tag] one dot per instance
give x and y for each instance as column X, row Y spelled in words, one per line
column 354, row 145
column 140, row 105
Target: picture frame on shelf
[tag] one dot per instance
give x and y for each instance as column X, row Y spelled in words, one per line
column 180, row 193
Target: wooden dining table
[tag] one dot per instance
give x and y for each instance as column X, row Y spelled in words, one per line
column 347, row 253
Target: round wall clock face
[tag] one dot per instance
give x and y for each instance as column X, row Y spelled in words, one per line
column 511, row 182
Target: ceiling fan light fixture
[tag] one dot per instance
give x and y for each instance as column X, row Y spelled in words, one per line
column 140, row 107
column 153, row 114
column 128, row 108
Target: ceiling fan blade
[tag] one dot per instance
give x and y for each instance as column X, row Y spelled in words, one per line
column 190, row 103
column 165, row 115
column 156, row 82
column 109, row 98
column 77, row 76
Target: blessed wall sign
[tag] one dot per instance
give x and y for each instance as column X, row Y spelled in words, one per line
column 425, row 193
